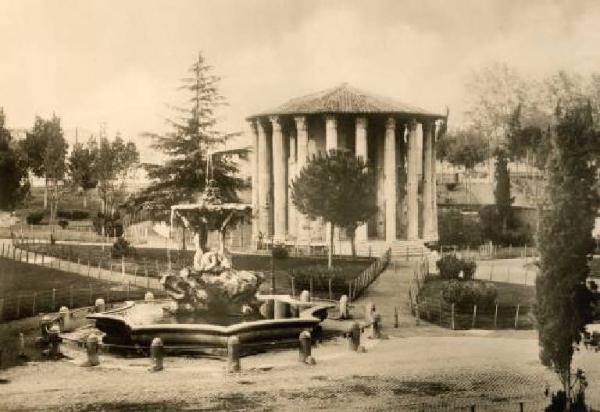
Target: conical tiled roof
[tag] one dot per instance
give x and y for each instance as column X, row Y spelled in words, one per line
column 345, row 99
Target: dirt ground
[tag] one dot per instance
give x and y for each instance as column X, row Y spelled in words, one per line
column 423, row 368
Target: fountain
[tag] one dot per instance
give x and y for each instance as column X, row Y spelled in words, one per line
column 210, row 300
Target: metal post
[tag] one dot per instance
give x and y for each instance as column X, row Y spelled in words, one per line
column 395, row 317
column 18, row 306
column 33, row 304
column 53, row 299
column 517, row 317
column 71, row 296
column 452, row 325
column 474, row 317
column 330, row 290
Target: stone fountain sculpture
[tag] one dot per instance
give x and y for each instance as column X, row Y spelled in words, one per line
column 211, row 283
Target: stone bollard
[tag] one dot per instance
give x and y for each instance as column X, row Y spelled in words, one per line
column 294, row 311
column 354, row 337
column 99, row 305
column 305, row 347
column 267, row 309
column 54, row 342
column 343, row 305
column 376, row 326
column 91, row 347
column 305, row 296
column 369, row 309
column 22, row 345
column 281, row 310
column 233, row 354
column 156, row 354
column 64, row 319
column 45, row 324
column 149, row 296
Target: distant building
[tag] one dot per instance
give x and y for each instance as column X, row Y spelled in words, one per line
column 397, row 138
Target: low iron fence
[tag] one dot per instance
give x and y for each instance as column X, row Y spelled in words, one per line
column 32, row 304
column 333, row 288
column 461, row 316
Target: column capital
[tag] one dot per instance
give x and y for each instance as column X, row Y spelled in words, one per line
column 390, row 123
column 412, row 125
column 276, row 122
column 300, row 123
column 361, row 122
column 330, row 118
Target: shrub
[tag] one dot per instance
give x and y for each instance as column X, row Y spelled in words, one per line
column 35, row 218
column 451, row 186
column 112, row 226
column 459, row 230
column 63, row 224
column 73, row 214
column 491, row 227
column 279, row 252
column 320, row 275
column 121, row 248
column 450, row 267
column 471, row 292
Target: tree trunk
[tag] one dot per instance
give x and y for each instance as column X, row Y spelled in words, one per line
column 222, row 241
column 352, row 234
column 330, row 252
column 183, row 238
column 46, row 194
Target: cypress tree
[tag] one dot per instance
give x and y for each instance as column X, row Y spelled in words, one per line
column 564, row 303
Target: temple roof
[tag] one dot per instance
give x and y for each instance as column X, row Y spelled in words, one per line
column 346, row 99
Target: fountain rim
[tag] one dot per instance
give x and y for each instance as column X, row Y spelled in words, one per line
column 305, row 315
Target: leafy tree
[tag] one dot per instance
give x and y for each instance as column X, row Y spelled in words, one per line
column 112, row 163
column 188, row 146
column 337, row 187
column 81, row 162
column 493, row 93
column 11, row 170
column 45, row 150
column 564, row 303
column 465, row 147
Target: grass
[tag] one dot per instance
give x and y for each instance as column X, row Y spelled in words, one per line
column 22, row 278
column 509, row 294
column 155, row 262
column 514, row 309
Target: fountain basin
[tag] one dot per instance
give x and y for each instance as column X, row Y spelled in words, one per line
column 121, row 329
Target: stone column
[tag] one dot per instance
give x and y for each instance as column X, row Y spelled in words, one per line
column 428, row 194
column 434, row 217
column 361, row 151
column 412, row 184
column 331, row 137
column 331, row 140
column 291, row 209
column 279, row 189
column 264, row 180
column 254, row 171
column 389, row 164
column 303, row 232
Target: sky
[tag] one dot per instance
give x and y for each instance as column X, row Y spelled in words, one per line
column 118, row 62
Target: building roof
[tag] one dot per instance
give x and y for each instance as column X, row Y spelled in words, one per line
column 345, row 99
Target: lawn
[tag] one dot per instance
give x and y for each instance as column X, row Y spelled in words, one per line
column 27, row 290
column 514, row 307
column 509, row 294
column 154, row 261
